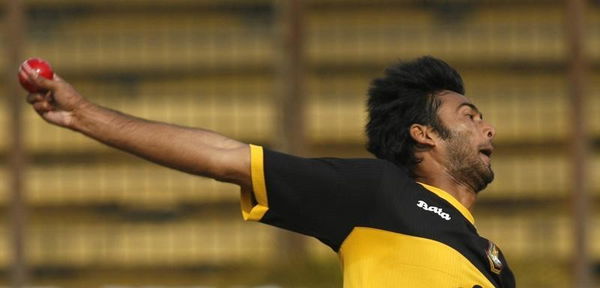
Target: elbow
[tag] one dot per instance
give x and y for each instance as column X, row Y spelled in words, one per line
column 232, row 166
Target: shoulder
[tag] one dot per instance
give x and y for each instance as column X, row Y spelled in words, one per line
column 343, row 171
column 366, row 165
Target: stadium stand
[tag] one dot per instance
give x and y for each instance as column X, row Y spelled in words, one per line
column 212, row 64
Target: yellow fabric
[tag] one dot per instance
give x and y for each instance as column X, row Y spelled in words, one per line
column 255, row 203
column 450, row 199
column 377, row 258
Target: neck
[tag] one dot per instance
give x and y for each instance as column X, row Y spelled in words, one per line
column 443, row 180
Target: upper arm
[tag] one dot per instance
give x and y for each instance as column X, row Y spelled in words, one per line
column 322, row 197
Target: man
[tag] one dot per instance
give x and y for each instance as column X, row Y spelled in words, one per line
column 401, row 220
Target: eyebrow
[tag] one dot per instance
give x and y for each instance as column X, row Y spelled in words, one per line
column 470, row 105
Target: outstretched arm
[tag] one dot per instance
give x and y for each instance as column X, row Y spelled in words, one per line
column 194, row 151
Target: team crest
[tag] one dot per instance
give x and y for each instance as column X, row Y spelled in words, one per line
column 493, row 256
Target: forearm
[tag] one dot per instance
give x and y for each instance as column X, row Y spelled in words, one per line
column 195, row 151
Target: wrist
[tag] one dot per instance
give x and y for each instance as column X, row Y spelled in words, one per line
column 81, row 114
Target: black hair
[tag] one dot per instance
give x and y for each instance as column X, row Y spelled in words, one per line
column 406, row 95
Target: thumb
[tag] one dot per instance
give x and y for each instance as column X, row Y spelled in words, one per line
column 58, row 78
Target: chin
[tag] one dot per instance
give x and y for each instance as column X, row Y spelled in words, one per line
column 485, row 178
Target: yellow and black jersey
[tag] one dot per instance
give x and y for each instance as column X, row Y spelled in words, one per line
column 388, row 230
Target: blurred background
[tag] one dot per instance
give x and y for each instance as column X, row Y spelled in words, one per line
column 290, row 75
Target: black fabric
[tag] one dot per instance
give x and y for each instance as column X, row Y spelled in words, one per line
column 327, row 197
column 398, row 212
column 323, row 197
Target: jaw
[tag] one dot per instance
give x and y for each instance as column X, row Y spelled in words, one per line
column 457, row 163
column 472, row 170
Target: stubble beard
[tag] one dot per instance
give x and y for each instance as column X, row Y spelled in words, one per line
column 465, row 164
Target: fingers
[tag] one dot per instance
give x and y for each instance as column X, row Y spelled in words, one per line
column 42, row 107
column 22, row 74
column 38, row 97
column 36, row 79
column 34, row 97
column 41, row 103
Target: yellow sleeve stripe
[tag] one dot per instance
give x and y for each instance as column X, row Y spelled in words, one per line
column 450, row 199
column 255, row 203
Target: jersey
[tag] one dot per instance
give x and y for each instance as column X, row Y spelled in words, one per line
column 388, row 230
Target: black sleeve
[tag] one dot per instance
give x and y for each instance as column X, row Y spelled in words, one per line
column 319, row 197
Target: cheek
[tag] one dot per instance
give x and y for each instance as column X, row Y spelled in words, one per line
column 462, row 132
column 466, row 127
column 469, row 133
column 461, row 143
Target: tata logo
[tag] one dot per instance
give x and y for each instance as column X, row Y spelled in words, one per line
column 434, row 209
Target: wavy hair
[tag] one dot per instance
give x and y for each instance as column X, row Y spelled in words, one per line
column 406, row 95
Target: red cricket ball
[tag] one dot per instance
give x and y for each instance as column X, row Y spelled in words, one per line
column 41, row 66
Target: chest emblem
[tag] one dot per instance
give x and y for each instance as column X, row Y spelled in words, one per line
column 493, row 256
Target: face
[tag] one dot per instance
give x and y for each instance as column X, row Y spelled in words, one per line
column 467, row 151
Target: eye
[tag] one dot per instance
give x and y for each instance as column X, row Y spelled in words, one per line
column 471, row 116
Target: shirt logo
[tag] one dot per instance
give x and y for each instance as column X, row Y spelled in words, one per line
column 434, row 209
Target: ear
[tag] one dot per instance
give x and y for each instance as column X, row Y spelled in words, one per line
column 422, row 134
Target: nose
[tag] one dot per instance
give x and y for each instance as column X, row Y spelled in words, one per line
column 489, row 131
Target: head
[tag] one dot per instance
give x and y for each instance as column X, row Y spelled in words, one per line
column 418, row 115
